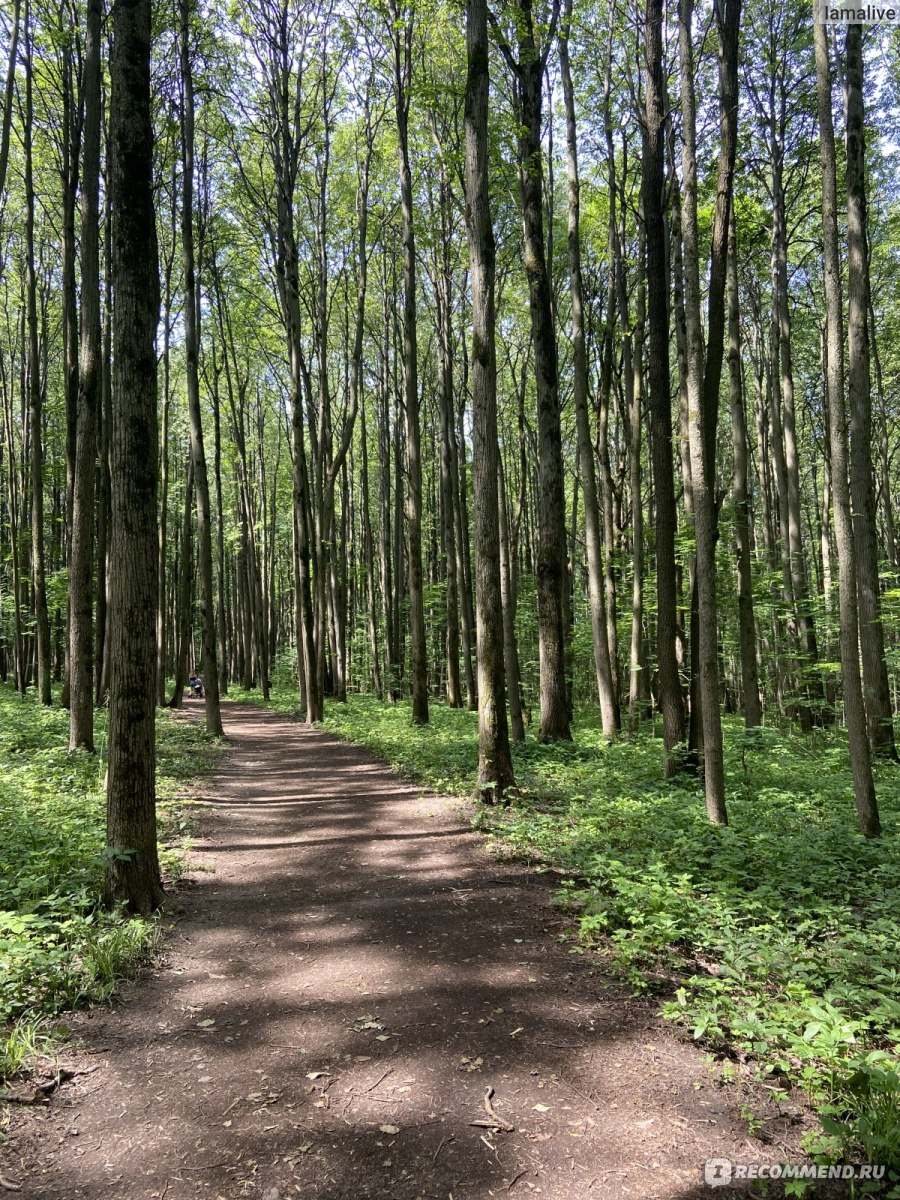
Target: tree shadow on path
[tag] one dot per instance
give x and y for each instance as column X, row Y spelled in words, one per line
column 351, row 975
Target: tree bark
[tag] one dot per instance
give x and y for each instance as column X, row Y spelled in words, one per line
column 741, row 496
column 182, row 605
column 495, row 770
column 133, row 877
column 209, row 667
column 81, row 633
column 449, row 499
column 508, row 599
column 638, row 681
column 8, row 92
column 702, row 469
column 401, row 36
column 854, row 710
column 35, row 393
column 879, row 718
column 606, row 692
column 552, row 571
column 670, row 698
column 785, row 438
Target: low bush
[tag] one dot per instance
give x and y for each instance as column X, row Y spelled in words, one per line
column 775, row 940
column 58, row 947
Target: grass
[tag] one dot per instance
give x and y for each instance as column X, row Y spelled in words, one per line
column 58, row 947
column 775, row 941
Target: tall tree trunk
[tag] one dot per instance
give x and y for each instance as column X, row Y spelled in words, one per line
column 495, row 770
column 879, row 717
column 638, row 681
column 449, row 499
column 463, row 561
column 81, row 633
column 162, row 572
column 670, row 699
column 371, row 591
column 183, row 608
column 104, row 499
column 209, row 667
column 609, row 714
column 552, row 573
column 133, row 876
column 508, row 599
column 384, row 509
column 741, row 496
column 864, row 787
column 35, row 394
column 402, row 53
column 70, row 154
column 790, row 487
column 702, row 469
column 221, row 624
column 9, row 91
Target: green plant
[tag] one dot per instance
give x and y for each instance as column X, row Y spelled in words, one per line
column 58, row 946
column 775, row 939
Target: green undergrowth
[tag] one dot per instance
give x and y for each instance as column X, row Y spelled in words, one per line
column 58, row 947
column 774, row 941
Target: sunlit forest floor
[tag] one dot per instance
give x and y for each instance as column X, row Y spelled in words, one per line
column 355, row 999
column 774, row 943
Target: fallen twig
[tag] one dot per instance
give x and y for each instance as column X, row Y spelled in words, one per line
column 489, row 1109
column 443, row 1143
column 380, row 1079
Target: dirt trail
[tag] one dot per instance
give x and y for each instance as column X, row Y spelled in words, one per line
column 351, row 973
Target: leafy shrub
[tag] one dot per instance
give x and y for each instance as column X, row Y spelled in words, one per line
column 776, row 940
column 58, row 947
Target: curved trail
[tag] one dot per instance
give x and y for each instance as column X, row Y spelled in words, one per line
column 351, row 973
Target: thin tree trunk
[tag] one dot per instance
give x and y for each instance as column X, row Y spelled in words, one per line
column 371, row 592
column 35, row 395
column 164, row 479
column 508, row 599
column 209, row 667
column 463, row 576
column 9, row 91
column 402, row 54
column 792, row 518
column 104, row 499
column 879, row 717
column 221, row 624
column 741, row 496
column 670, row 699
column 183, row 595
column 70, row 153
column 495, row 770
column 81, row 634
column 638, row 682
column 449, row 498
column 854, row 710
column 609, row 714
column 528, row 73
column 702, row 470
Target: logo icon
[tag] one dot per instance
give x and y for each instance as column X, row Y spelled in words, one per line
column 717, row 1172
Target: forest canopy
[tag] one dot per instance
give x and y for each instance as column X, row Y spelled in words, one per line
column 660, row 477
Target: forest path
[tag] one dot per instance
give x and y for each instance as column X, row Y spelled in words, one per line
column 351, row 972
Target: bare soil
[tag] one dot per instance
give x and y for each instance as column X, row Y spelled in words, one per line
column 350, row 973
